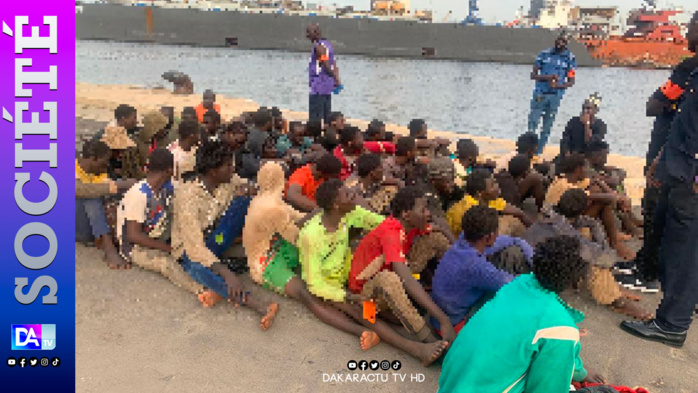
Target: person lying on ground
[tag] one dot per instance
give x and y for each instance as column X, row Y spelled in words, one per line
column 208, row 216
column 602, row 205
column 482, row 188
column 567, row 218
column 465, row 279
column 370, row 186
column 542, row 349
column 303, row 183
column 91, row 186
column 143, row 223
column 182, row 82
column 521, row 182
column 381, row 271
column 184, row 149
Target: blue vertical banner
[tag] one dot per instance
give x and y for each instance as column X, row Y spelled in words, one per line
column 37, row 196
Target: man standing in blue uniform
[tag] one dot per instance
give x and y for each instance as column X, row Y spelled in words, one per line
column 554, row 72
column 323, row 75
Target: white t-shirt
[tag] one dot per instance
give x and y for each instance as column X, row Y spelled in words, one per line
column 184, row 161
column 142, row 205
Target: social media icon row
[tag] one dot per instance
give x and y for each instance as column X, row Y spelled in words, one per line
column 374, row 365
column 33, row 362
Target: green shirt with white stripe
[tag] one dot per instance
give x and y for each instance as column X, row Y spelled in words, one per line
column 523, row 340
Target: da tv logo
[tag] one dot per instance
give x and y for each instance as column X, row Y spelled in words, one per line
column 33, row 337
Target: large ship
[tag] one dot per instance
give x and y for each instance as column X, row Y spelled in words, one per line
column 278, row 25
column 653, row 39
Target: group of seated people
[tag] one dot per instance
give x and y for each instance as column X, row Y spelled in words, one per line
column 386, row 237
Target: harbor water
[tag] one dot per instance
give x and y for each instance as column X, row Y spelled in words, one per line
column 486, row 99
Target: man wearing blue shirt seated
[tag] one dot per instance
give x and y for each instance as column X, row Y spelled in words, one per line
column 465, row 278
column 525, row 339
column 554, row 72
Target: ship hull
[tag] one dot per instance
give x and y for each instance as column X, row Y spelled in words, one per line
column 287, row 32
column 639, row 53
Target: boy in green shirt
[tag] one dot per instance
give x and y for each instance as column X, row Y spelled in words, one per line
column 325, row 256
column 323, row 243
column 539, row 353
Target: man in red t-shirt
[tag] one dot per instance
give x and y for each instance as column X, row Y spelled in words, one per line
column 380, row 270
column 350, row 148
column 301, row 187
column 376, row 141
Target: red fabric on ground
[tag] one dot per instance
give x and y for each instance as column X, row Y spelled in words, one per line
column 621, row 389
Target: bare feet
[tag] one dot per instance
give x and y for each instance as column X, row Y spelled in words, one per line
column 209, row 298
column 624, row 252
column 622, row 306
column 428, row 353
column 368, row 340
column 111, row 255
column 268, row 319
column 631, row 296
column 115, row 261
column 583, row 332
column 624, row 237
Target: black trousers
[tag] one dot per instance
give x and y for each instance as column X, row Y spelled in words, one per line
column 647, row 259
column 678, row 256
column 320, row 107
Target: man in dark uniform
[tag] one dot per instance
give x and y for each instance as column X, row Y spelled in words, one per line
column 676, row 218
column 663, row 105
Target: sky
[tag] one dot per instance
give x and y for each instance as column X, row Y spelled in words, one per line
column 505, row 10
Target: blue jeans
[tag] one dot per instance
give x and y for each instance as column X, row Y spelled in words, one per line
column 545, row 105
column 90, row 219
column 678, row 257
column 228, row 229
